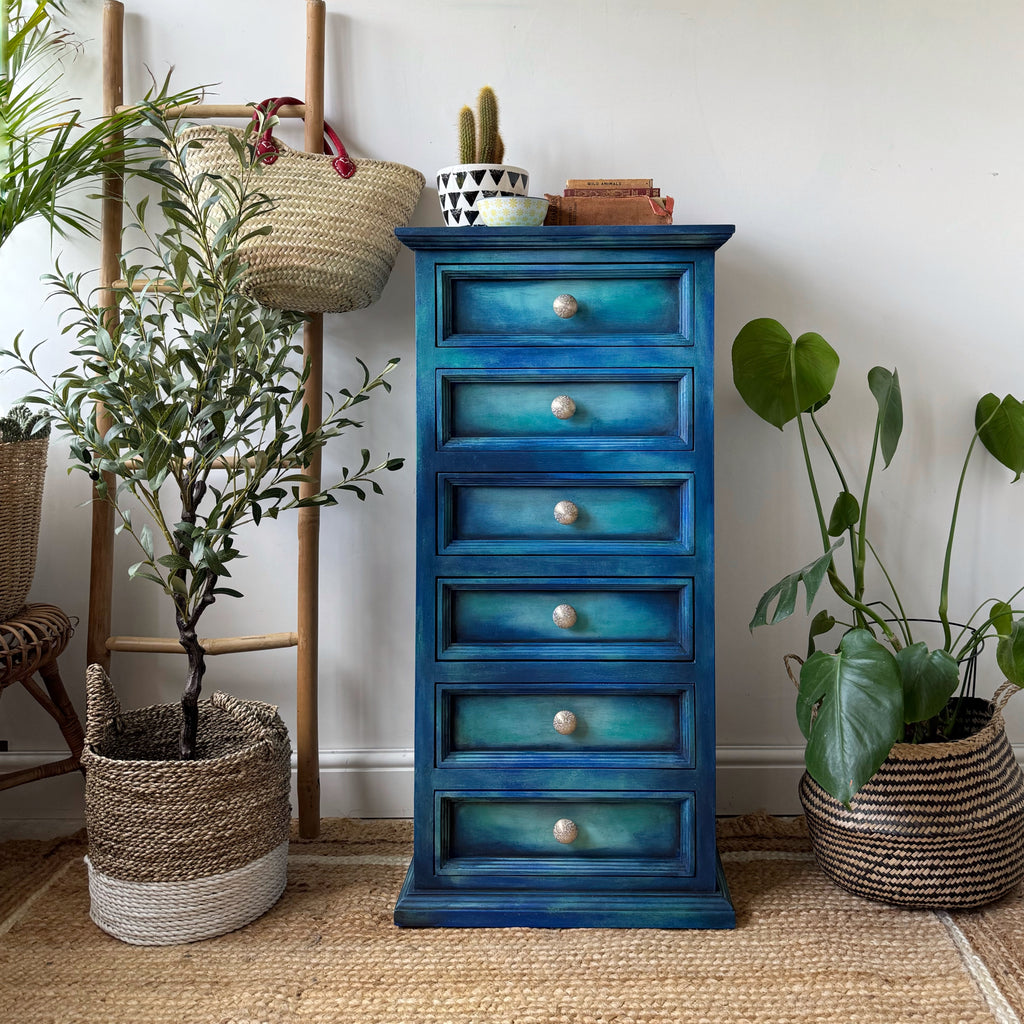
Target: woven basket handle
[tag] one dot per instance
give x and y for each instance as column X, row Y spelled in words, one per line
column 1003, row 694
column 102, row 706
column 257, row 720
column 268, row 148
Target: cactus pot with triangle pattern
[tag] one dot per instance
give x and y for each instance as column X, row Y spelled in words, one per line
column 461, row 185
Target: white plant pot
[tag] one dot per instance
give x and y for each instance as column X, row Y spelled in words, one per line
column 461, row 185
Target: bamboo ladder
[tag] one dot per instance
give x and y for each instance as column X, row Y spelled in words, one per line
column 100, row 644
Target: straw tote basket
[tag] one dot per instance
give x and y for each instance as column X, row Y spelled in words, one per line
column 22, row 469
column 183, row 850
column 938, row 825
column 333, row 241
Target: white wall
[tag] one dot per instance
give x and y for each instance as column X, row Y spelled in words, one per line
column 871, row 157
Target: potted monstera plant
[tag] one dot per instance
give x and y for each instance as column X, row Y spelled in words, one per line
column 187, row 805
column 890, row 719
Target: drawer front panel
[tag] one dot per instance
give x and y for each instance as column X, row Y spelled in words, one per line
column 602, row 618
column 615, row 305
column 614, row 832
column 533, row 514
column 613, row 409
column 565, row 726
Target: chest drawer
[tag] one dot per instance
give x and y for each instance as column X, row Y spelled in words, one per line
column 606, row 725
column 566, row 408
column 649, row 618
column 602, row 513
column 610, row 305
column 567, row 833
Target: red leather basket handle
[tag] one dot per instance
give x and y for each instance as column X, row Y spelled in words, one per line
column 267, row 148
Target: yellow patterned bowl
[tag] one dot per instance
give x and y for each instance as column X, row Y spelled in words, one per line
column 512, row 211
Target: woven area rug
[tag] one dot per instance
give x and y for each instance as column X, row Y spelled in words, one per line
column 328, row 953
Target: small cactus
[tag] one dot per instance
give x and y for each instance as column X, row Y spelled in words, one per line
column 467, row 136
column 489, row 148
column 487, row 106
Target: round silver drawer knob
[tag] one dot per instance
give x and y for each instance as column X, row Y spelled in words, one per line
column 565, row 306
column 566, row 512
column 565, row 830
column 564, row 616
column 564, row 722
column 563, row 407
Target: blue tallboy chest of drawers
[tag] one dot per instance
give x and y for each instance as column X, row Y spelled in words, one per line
column 565, row 672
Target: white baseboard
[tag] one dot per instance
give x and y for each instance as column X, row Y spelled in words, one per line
column 377, row 783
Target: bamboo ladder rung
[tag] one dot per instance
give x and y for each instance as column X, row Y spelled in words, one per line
column 211, row 645
column 207, row 111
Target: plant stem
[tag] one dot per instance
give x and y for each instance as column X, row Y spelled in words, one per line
column 903, row 620
column 842, row 483
column 863, row 524
column 944, row 589
column 810, row 471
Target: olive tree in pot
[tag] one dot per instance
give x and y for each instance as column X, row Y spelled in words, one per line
column 204, row 390
column 48, row 153
column 892, row 726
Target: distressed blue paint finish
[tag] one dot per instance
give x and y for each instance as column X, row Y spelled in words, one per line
column 619, row 827
column 493, row 615
column 623, row 408
column 492, row 722
column 510, row 725
column 512, row 513
column 499, row 306
column 492, row 775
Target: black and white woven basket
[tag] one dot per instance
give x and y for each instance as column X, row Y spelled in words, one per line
column 938, row 825
column 184, row 850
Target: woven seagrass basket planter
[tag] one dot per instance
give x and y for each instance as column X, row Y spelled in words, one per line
column 938, row 825
column 22, row 469
column 183, row 850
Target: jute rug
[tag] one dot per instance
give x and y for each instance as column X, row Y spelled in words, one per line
column 328, row 953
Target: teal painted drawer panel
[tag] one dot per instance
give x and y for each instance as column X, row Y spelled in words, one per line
column 600, row 513
column 491, row 726
column 614, row 408
column 614, row 618
column 616, row 305
column 615, row 832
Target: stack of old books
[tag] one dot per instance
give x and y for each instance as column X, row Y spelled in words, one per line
column 609, row 201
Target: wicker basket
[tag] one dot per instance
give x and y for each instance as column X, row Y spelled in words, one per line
column 332, row 244
column 183, row 850
column 938, row 825
column 22, row 469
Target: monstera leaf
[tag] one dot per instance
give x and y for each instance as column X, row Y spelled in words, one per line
column 1000, row 425
column 885, row 386
column 930, row 678
column 777, row 377
column 850, row 708
column 786, row 590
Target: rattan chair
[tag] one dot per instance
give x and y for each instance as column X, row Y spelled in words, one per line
column 30, row 643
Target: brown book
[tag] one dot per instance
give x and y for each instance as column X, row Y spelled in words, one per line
column 610, row 193
column 564, row 210
column 609, row 183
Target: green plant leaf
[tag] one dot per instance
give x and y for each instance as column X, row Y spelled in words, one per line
column 885, row 386
column 812, row 576
column 845, row 513
column 850, row 708
column 1000, row 425
column 929, row 678
column 1002, row 618
column 821, row 624
column 1010, row 653
column 767, row 363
